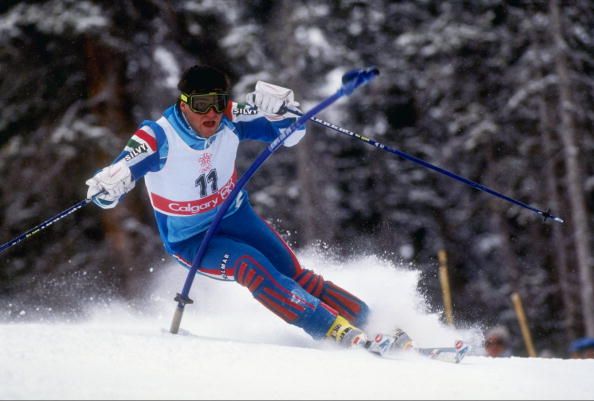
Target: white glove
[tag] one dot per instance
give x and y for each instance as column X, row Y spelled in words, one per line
column 271, row 99
column 108, row 185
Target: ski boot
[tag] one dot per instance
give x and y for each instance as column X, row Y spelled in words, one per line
column 347, row 335
column 402, row 340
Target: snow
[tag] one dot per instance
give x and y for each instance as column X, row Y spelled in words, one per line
column 166, row 60
column 232, row 348
column 54, row 17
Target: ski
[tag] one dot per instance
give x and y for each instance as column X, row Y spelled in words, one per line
column 386, row 345
column 453, row 354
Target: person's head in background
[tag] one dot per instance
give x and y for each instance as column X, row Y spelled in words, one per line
column 498, row 342
column 582, row 348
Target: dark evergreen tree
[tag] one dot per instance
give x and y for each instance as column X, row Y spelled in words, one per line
column 487, row 89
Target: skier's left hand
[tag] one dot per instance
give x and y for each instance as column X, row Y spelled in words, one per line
column 271, row 99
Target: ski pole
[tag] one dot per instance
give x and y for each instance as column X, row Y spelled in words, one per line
column 545, row 214
column 350, row 81
column 45, row 224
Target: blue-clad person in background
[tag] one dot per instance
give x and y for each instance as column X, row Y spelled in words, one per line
column 187, row 159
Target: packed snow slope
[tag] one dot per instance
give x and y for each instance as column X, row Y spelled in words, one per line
column 230, row 347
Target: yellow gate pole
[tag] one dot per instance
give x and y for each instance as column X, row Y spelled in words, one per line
column 445, row 287
column 517, row 301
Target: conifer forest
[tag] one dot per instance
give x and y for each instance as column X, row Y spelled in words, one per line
column 498, row 91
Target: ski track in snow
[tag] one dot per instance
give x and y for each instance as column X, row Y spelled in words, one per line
column 230, row 347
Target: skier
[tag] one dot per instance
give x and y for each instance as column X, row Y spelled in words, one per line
column 187, row 159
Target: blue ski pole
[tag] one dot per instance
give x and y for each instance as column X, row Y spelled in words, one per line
column 45, row 224
column 350, row 81
column 545, row 214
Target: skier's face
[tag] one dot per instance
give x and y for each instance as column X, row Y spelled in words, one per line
column 204, row 124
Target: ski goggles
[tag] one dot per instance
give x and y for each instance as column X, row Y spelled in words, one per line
column 202, row 103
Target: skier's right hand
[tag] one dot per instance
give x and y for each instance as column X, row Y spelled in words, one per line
column 110, row 184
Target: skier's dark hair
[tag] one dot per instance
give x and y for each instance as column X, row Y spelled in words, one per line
column 203, row 79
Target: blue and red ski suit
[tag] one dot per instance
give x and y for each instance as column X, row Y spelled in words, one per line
column 188, row 177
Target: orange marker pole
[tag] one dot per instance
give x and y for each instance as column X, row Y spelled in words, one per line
column 517, row 301
column 445, row 287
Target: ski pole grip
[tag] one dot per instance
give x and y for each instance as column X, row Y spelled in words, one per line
column 355, row 78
